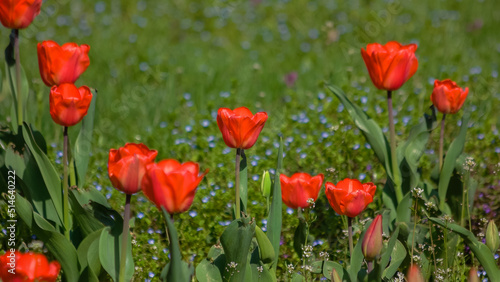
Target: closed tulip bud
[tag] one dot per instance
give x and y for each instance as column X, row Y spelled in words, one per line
column 414, row 274
column 265, row 185
column 335, row 276
column 372, row 242
column 473, row 275
column 492, row 239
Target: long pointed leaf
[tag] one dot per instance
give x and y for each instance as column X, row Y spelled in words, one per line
column 64, row 252
column 370, row 129
column 481, row 251
column 175, row 267
column 83, row 145
column 454, row 151
column 49, row 173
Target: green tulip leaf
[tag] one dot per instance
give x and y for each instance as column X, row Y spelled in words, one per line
column 481, row 251
column 62, row 249
column 370, row 129
column 356, row 259
column 83, row 145
column 208, row 272
column 175, row 269
column 266, row 250
column 236, row 241
column 47, row 170
column 398, row 255
column 110, row 243
column 386, row 255
column 454, row 151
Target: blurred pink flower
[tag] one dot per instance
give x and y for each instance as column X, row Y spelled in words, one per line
column 290, row 78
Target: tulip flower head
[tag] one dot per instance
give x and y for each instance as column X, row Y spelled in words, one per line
column 127, row 166
column 372, row 241
column 350, row 197
column 68, row 104
column 62, row 64
column 390, row 65
column 29, row 267
column 414, row 274
column 299, row 188
column 240, row 128
column 448, row 97
column 18, row 14
column 172, row 185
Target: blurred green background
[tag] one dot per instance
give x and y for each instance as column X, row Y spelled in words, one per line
column 163, row 68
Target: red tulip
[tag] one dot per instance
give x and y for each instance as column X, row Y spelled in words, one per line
column 296, row 190
column 391, row 65
column 68, row 104
column 350, row 197
column 447, row 97
column 240, row 129
column 18, row 14
column 414, row 274
column 372, row 242
column 172, row 185
column 127, row 166
column 28, row 267
column 62, row 64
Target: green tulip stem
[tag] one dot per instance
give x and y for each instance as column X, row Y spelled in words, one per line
column 394, row 158
column 349, row 230
column 237, row 184
column 441, row 143
column 18, row 78
column 126, row 219
column 432, row 244
column 65, row 184
column 414, row 228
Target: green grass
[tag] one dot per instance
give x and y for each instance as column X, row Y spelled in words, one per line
column 146, row 55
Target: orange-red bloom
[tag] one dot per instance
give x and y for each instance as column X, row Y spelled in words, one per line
column 350, row 197
column 172, row 185
column 29, row 267
column 127, row 166
column 391, row 65
column 372, row 241
column 68, row 104
column 299, row 188
column 62, row 64
column 448, row 97
column 414, row 274
column 240, row 128
column 18, row 14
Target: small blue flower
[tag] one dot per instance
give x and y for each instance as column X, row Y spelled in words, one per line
column 289, row 210
column 151, row 241
column 193, row 213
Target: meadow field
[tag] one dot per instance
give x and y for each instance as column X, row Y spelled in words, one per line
column 163, row 68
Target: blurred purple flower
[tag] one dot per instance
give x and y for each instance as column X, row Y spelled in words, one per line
column 290, row 78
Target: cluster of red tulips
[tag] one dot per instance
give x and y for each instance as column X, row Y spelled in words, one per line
column 171, row 185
